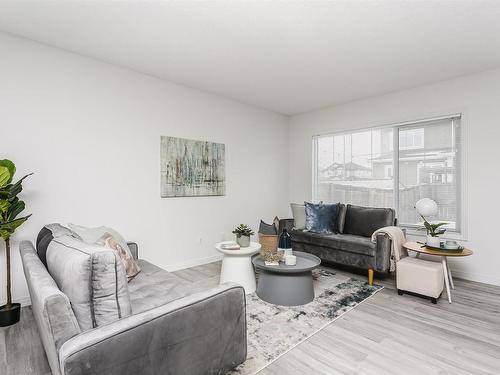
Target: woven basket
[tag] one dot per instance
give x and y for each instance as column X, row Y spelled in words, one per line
column 268, row 242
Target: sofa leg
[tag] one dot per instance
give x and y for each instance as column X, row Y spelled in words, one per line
column 400, row 292
column 370, row 276
column 434, row 300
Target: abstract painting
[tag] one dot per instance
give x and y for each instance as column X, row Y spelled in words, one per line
column 191, row 168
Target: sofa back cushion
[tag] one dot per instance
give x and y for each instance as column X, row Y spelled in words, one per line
column 92, row 277
column 363, row 221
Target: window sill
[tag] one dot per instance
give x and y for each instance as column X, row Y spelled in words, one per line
column 411, row 231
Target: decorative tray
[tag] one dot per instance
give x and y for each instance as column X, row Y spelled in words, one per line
column 459, row 249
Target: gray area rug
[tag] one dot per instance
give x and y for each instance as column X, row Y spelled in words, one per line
column 274, row 330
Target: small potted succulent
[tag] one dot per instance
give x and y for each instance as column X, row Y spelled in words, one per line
column 243, row 233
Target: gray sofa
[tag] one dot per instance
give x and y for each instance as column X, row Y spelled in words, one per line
column 173, row 327
column 351, row 245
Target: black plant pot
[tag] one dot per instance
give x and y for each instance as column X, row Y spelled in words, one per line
column 10, row 316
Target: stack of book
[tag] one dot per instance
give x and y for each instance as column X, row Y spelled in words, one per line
column 230, row 246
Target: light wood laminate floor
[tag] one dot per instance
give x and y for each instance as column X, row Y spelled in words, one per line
column 386, row 334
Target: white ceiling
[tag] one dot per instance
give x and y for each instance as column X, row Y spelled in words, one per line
column 287, row 56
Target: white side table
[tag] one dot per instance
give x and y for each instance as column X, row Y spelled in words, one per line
column 237, row 265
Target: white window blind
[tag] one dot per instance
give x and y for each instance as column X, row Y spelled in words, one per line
column 393, row 166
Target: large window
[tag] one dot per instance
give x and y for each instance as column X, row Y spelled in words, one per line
column 393, row 166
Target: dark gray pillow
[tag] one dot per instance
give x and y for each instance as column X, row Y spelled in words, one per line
column 341, row 217
column 45, row 237
column 363, row 221
column 265, row 228
column 321, row 218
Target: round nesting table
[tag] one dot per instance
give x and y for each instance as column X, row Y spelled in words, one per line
column 237, row 265
column 444, row 254
column 287, row 285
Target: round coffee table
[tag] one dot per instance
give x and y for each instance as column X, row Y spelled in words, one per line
column 287, row 285
column 444, row 254
column 237, row 266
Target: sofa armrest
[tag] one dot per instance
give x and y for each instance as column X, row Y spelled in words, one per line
column 134, row 249
column 51, row 308
column 383, row 252
column 203, row 333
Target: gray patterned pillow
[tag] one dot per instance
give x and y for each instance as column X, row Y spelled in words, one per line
column 128, row 261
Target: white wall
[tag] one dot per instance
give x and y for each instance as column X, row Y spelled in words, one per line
column 478, row 98
column 91, row 133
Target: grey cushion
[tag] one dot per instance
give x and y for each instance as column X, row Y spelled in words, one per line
column 321, row 218
column 93, row 279
column 269, row 229
column 154, row 287
column 299, row 215
column 341, row 217
column 363, row 221
column 345, row 242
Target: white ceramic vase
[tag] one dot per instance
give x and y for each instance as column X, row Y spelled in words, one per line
column 243, row 241
column 433, row 241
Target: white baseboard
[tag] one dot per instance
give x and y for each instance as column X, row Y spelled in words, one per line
column 192, row 263
column 480, row 278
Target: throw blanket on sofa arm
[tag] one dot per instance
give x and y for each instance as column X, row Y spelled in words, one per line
column 398, row 238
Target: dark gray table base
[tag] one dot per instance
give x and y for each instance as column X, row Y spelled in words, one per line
column 285, row 289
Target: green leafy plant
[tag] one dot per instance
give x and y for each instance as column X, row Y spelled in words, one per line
column 433, row 230
column 243, row 230
column 10, row 207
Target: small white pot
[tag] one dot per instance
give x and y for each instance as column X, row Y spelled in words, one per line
column 243, row 241
column 433, row 241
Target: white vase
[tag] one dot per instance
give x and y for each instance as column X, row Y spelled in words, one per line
column 243, row 241
column 433, row 241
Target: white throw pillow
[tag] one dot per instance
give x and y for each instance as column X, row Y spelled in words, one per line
column 299, row 216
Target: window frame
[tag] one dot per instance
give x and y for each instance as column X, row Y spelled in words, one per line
column 461, row 144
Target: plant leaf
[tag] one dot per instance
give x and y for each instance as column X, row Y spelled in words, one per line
column 4, row 205
column 6, row 229
column 439, row 225
column 16, row 188
column 10, row 166
column 4, row 176
column 15, row 209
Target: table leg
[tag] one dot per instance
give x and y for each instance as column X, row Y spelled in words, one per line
column 449, row 274
column 446, row 280
column 238, row 269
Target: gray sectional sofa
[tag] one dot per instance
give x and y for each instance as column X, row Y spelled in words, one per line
column 351, row 245
column 163, row 324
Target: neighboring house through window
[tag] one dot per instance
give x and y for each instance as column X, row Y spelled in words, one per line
column 362, row 168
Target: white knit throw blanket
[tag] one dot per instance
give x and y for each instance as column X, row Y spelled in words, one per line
column 398, row 238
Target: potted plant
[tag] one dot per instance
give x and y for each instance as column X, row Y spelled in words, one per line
column 10, row 208
column 243, row 233
column 433, row 232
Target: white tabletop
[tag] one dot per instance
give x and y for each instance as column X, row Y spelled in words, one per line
column 252, row 249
